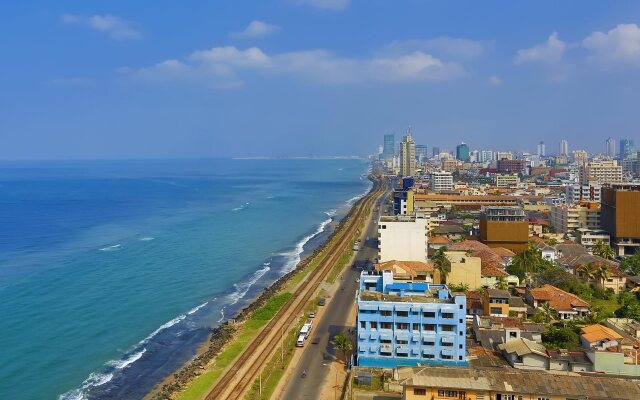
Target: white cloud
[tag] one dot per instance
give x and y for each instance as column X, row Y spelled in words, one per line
column 494, row 80
column 549, row 52
column 619, row 46
column 256, row 29
column 455, row 47
column 334, row 5
column 223, row 67
column 115, row 27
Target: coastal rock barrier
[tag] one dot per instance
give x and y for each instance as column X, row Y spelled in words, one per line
column 224, row 333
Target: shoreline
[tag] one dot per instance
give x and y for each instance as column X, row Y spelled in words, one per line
column 224, row 333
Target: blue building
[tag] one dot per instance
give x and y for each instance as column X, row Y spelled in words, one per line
column 407, row 323
column 627, row 148
column 388, row 149
column 462, row 152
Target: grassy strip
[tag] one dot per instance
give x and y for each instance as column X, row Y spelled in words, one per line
column 275, row 368
column 200, row 385
column 344, row 259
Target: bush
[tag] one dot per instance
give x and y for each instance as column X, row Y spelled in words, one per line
column 566, row 337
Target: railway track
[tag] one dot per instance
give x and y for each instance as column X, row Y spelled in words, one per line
column 238, row 378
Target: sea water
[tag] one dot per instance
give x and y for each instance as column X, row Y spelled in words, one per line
column 113, row 272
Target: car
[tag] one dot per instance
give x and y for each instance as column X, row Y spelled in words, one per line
column 322, row 301
column 316, row 340
column 312, row 314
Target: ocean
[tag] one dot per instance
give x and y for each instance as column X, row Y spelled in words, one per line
column 113, row 272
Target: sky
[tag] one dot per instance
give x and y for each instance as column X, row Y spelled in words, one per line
column 171, row 79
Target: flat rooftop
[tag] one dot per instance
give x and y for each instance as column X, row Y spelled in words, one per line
column 428, row 297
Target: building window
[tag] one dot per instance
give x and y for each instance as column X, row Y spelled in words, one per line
column 402, row 326
column 428, row 356
column 447, row 357
column 415, row 327
column 363, row 325
column 447, row 315
column 385, row 325
column 447, row 328
column 402, row 341
column 428, row 327
column 428, row 343
column 374, row 325
column 429, row 314
column 448, row 393
column 385, row 313
column 543, row 398
column 420, row 392
column 401, row 354
column 496, row 310
column 385, row 341
column 402, row 313
column 445, row 344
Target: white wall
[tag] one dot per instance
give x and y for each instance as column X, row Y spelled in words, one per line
column 403, row 241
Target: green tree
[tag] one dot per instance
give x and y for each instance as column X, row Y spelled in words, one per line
column 629, row 310
column 501, row 283
column 602, row 274
column 462, row 287
column 343, row 344
column 442, row 263
column 603, row 250
column 513, row 269
column 529, row 260
column 547, row 313
column 631, row 265
column 587, row 272
column 565, row 337
column 596, row 316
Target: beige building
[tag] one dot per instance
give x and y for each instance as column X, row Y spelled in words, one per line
column 402, row 237
column 601, row 172
column 407, row 156
column 568, row 218
column 465, row 270
column 506, row 180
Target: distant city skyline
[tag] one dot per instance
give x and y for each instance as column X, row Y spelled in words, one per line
column 312, row 78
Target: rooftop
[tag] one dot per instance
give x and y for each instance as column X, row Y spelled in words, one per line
column 374, row 295
column 558, row 298
column 596, row 333
column 522, row 381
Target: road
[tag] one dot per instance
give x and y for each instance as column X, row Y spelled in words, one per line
column 316, row 357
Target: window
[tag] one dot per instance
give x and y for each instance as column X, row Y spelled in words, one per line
column 385, row 313
column 385, row 325
column 428, row 327
column 429, row 314
column 447, row 315
column 448, row 393
column 402, row 313
column 398, row 341
column 420, row 392
column 447, row 357
column 496, row 310
column 402, row 326
column 415, row 327
column 428, row 343
column 363, row 325
column 401, row 354
column 543, row 398
column 445, row 344
column 447, row 328
column 428, row 356
column 374, row 325
column 513, row 334
column 385, row 341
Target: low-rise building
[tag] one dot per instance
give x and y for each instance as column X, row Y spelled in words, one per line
column 496, row 302
column 465, row 270
column 599, row 337
column 447, row 383
column 408, row 322
column 507, row 180
column 525, row 354
column 567, row 305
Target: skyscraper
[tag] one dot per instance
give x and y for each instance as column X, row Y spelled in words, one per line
column 462, row 152
column 564, row 147
column 611, row 147
column 486, row 156
column 421, row 152
column 389, row 146
column 435, row 151
column 542, row 151
column 407, row 156
column 627, row 148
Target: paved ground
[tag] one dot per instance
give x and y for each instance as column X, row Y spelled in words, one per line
column 317, row 360
column 375, row 396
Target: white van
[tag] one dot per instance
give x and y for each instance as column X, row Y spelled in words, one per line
column 300, row 341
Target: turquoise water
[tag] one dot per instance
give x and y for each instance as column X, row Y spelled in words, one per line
column 112, row 273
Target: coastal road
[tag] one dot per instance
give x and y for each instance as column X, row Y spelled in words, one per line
column 317, row 357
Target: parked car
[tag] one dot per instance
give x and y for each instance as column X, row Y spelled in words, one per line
column 322, row 301
column 312, row 314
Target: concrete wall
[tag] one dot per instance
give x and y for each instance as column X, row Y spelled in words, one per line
column 403, row 241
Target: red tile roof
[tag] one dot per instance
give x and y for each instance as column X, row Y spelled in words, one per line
column 558, row 298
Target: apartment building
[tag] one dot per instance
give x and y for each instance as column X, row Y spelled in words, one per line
column 621, row 216
column 402, row 237
column 441, row 181
column 403, row 322
column 569, row 218
column 507, row 180
column 601, row 172
column 590, row 192
column 504, row 227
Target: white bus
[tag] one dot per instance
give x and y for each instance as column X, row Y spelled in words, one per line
column 300, row 341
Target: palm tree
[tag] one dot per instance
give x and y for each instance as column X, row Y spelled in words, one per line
column 501, row 283
column 343, row 344
column 547, row 312
column 602, row 274
column 587, row 271
column 529, row 260
column 442, row 264
column 604, row 250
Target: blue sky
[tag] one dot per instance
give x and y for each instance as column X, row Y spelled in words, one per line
column 123, row 79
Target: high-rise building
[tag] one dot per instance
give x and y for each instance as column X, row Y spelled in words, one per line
column 474, row 156
column 611, row 147
column 421, row 152
column 407, row 156
column 564, row 147
column 602, row 172
column 462, row 152
column 506, row 166
column 389, row 146
column 486, row 156
column 627, row 148
column 435, row 151
column 580, row 156
column 506, row 227
column 504, row 155
column 620, row 216
column 542, row 151
column 441, row 181
column 588, row 192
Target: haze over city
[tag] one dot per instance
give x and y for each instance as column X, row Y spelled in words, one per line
column 313, row 77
